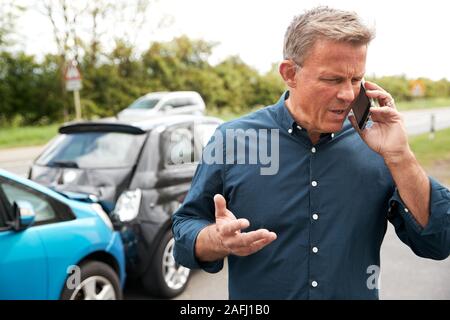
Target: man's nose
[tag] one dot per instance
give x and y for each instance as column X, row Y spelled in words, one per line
column 346, row 93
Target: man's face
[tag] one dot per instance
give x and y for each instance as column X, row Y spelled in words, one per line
column 326, row 85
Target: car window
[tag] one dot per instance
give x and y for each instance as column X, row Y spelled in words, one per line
column 192, row 101
column 42, row 207
column 2, row 215
column 172, row 102
column 177, row 145
column 2, row 220
column 5, row 209
column 144, row 103
column 180, row 102
column 92, row 150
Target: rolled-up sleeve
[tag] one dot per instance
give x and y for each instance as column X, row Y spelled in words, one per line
column 196, row 213
column 433, row 240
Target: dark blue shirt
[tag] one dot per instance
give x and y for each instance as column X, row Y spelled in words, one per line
column 328, row 203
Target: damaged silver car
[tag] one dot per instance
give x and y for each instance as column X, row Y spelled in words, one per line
column 139, row 173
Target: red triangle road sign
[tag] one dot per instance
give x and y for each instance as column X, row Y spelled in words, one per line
column 72, row 73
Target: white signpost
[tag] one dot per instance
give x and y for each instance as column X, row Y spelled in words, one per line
column 73, row 83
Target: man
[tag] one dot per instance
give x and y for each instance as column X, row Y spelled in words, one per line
column 313, row 230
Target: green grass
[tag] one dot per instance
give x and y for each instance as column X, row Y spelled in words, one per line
column 429, row 151
column 26, row 136
column 423, row 104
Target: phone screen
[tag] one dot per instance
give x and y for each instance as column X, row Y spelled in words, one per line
column 361, row 108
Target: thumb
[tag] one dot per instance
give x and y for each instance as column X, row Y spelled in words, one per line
column 221, row 205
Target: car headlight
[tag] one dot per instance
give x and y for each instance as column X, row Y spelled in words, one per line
column 102, row 214
column 127, row 206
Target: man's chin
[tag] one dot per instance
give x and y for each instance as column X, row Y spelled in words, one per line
column 335, row 127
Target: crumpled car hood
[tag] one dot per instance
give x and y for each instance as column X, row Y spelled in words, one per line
column 105, row 184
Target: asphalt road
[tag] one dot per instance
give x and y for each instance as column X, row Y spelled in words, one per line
column 403, row 275
column 419, row 121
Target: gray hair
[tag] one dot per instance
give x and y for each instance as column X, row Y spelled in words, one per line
column 323, row 23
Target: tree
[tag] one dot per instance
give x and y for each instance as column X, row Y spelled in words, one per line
column 28, row 89
column 269, row 87
column 240, row 83
column 171, row 65
column 9, row 12
column 112, row 86
column 82, row 29
column 397, row 86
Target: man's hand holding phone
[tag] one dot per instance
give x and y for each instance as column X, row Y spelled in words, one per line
column 361, row 108
column 387, row 136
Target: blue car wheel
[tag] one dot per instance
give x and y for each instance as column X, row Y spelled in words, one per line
column 98, row 281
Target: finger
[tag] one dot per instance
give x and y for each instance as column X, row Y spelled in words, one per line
column 231, row 227
column 245, row 240
column 220, row 205
column 256, row 245
column 384, row 114
column 383, row 97
column 259, row 244
column 391, row 104
column 372, row 86
column 379, row 94
column 248, row 238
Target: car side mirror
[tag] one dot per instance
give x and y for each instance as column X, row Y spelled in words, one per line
column 24, row 215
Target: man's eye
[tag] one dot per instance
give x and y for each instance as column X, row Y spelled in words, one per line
column 333, row 80
column 356, row 81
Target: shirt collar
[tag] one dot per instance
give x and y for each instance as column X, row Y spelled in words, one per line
column 283, row 114
column 287, row 121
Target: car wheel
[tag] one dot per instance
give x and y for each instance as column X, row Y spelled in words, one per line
column 166, row 278
column 98, row 281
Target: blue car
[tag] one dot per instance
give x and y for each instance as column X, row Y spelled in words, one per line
column 55, row 247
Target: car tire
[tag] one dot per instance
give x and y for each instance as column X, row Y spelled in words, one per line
column 165, row 278
column 98, row 281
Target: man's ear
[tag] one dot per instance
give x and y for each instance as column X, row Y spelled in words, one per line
column 288, row 70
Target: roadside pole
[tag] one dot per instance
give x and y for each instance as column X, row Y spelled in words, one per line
column 432, row 126
column 76, row 97
column 73, row 83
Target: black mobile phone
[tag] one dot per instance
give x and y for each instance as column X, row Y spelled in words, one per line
column 361, row 108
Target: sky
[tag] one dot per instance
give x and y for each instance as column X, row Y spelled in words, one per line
column 412, row 36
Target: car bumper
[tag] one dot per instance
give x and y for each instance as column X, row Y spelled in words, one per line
column 116, row 249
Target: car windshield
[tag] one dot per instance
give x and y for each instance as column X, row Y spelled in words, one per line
column 144, row 103
column 93, row 150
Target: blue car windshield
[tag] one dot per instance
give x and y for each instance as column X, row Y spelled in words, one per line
column 93, row 150
column 144, row 103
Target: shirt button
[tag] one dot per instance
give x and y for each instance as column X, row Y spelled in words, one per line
column 313, row 150
column 332, row 135
column 315, row 216
column 290, row 130
column 315, row 249
column 314, row 183
column 314, row 284
column 299, row 128
column 406, row 210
